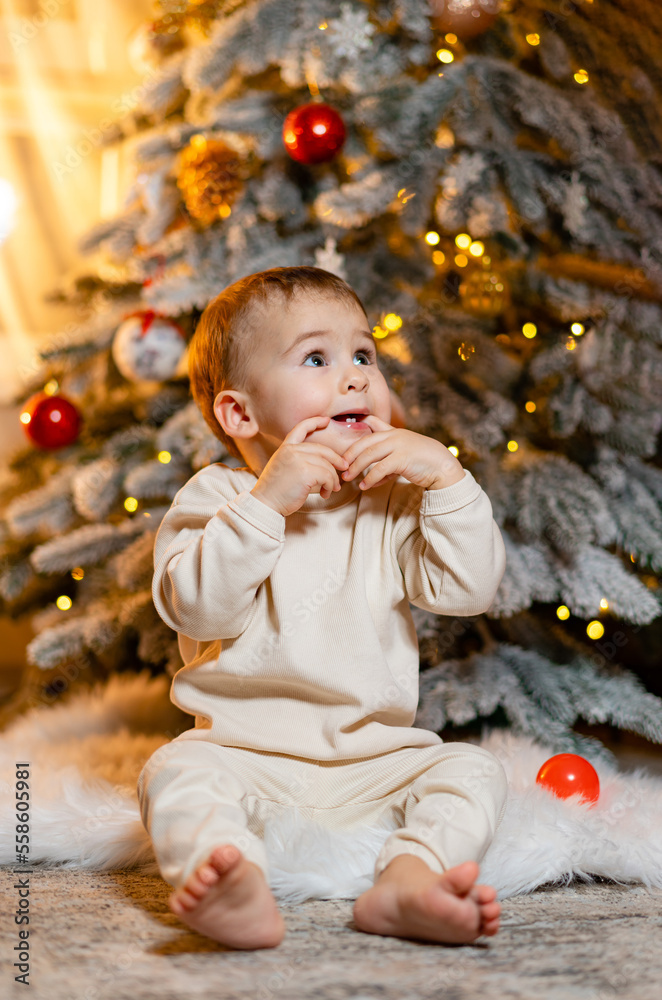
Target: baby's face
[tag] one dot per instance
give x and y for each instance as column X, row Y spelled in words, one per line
column 333, row 372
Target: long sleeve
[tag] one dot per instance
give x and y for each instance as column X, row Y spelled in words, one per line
column 450, row 550
column 212, row 553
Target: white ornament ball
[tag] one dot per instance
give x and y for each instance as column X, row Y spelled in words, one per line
column 148, row 348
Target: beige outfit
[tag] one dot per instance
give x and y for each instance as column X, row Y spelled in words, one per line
column 301, row 667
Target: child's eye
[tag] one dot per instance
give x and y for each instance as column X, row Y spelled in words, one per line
column 369, row 354
column 313, row 354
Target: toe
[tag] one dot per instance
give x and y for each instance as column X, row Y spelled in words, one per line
column 207, row 874
column 461, row 878
column 483, row 893
column 182, row 901
column 196, row 886
column 224, row 857
column 490, row 911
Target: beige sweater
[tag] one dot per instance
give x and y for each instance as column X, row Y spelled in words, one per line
column 296, row 632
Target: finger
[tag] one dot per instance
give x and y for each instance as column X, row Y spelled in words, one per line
column 393, row 475
column 324, row 451
column 337, row 460
column 371, row 452
column 376, row 473
column 326, row 479
column 358, row 447
column 305, row 427
column 372, row 421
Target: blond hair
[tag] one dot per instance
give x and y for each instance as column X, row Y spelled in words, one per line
column 224, row 342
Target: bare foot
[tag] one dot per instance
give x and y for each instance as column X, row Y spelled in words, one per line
column 227, row 898
column 410, row 900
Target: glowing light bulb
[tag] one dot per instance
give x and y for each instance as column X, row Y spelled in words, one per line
column 581, row 76
column 445, row 56
column 512, row 446
column 533, row 38
column 595, row 630
column 463, row 240
column 562, row 612
column 476, row 249
column 131, row 504
column 438, row 257
column 164, row 457
column 530, row 406
column 63, row 602
column 577, row 329
column 432, row 238
column 529, row 330
column 392, row 321
column 461, row 260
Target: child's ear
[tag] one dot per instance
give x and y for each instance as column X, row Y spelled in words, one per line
column 231, row 411
column 398, row 418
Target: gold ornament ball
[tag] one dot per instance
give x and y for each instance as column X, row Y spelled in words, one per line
column 484, row 293
column 209, row 176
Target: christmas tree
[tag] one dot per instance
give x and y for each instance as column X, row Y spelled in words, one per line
column 487, row 177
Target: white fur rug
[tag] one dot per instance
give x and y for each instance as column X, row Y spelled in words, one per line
column 87, row 753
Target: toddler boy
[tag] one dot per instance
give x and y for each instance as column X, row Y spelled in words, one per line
column 288, row 581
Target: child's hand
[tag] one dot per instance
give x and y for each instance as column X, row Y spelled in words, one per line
column 399, row 452
column 297, row 467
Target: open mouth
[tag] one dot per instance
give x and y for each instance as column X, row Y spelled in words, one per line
column 349, row 417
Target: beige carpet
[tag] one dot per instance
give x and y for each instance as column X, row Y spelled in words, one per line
column 111, row 936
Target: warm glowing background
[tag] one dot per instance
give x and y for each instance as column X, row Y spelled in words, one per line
column 64, row 66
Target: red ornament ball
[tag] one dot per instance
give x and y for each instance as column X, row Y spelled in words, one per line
column 51, row 421
column 313, row 133
column 465, row 18
column 568, row 773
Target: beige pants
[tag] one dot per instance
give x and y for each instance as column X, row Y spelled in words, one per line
column 194, row 795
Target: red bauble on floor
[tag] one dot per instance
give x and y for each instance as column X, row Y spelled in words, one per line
column 313, row 133
column 568, row 773
column 51, row 421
